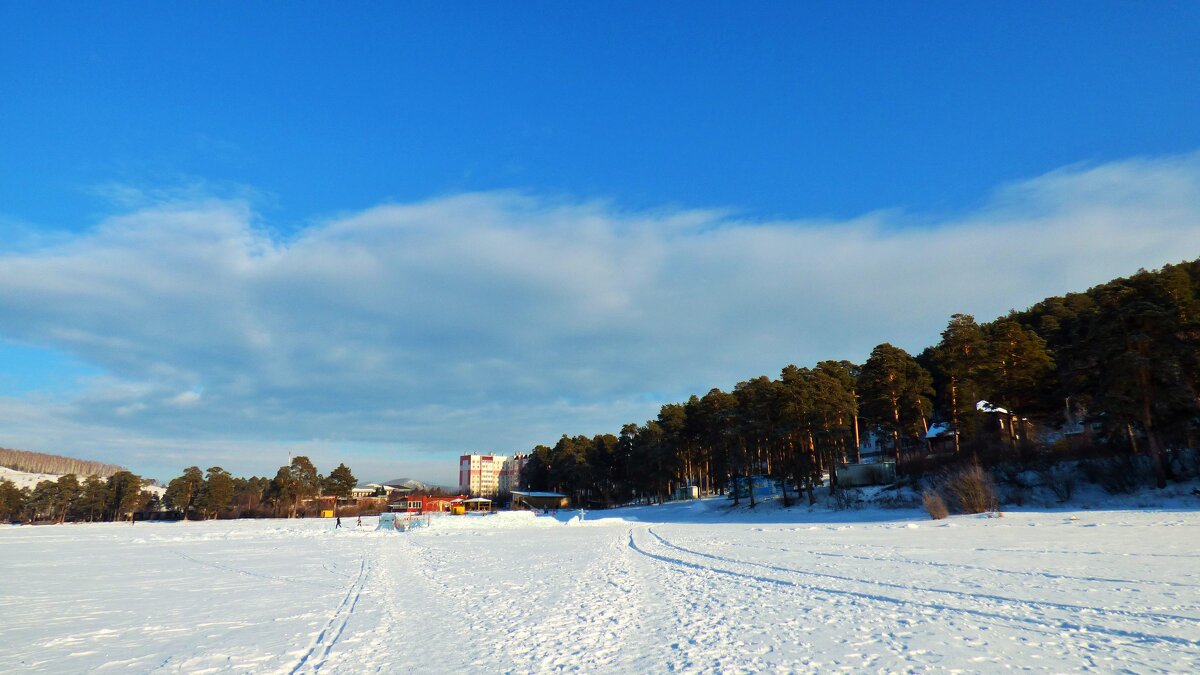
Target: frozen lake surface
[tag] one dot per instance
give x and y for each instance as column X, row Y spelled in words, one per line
column 682, row 587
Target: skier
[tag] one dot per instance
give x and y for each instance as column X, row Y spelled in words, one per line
column 359, row 523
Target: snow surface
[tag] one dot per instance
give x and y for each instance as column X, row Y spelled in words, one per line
column 692, row 587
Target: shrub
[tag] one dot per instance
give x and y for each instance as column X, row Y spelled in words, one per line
column 972, row 489
column 935, row 506
column 1061, row 479
column 1117, row 475
column 846, row 499
column 1184, row 463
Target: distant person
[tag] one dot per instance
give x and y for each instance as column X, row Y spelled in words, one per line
column 338, row 523
column 359, row 523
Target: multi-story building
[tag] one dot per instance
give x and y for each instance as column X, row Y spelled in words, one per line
column 510, row 473
column 479, row 475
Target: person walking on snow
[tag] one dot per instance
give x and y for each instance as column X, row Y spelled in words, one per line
column 338, row 523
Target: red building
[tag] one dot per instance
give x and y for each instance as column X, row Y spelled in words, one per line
column 424, row 503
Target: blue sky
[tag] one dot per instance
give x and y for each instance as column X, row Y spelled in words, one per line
column 390, row 233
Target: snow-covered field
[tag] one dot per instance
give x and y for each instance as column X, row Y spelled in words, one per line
column 682, row 587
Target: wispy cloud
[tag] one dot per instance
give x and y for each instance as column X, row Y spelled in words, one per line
column 494, row 321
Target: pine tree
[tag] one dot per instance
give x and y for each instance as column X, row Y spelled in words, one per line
column 303, row 481
column 183, row 491
column 216, row 492
column 535, row 475
column 960, row 359
column 125, row 494
column 608, row 480
column 1135, row 361
column 669, row 458
column 340, row 482
column 12, row 500
column 1017, row 369
column 69, row 492
column 93, row 499
column 43, row 500
column 834, row 412
column 718, row 412
column 895, row 391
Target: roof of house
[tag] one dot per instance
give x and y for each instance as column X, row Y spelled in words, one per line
column 538, row 494
column 984, row 406
column 938, row 429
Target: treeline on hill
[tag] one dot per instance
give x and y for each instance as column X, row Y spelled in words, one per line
column 215, row 493
column 40, row 462
column 195, row 495
column 1109, row 375
column 91, row 500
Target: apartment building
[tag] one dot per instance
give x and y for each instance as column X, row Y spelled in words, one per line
column 510, row 474
column 479, row 475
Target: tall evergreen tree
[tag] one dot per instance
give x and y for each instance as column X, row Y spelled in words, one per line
column 216, row 493
column 1017, row 371
column 895, row 391
column 303, row 481
column 536, row 473
column 1135, row 360
column 125, row 494
column 281, row 491
column 12, row 500
column 960, row 359
column 183, row 491
column 340, row 482
column 797, row 411
column 93, row 499
column 69, row 493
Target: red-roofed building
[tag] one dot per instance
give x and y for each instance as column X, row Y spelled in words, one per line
column 424, row 503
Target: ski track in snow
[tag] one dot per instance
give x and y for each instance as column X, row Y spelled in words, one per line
column 682, row 588
column 325, row 641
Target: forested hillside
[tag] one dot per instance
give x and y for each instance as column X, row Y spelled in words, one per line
column 40, row 462
column 1111, row 374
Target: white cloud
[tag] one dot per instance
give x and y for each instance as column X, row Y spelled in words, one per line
column 185, row 398
column 495, row 321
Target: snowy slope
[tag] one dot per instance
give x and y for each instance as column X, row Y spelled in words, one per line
column 23, row 479
column 686, row 587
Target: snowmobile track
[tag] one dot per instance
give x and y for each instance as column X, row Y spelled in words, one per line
column 1027, row 622
column 1152, row 616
